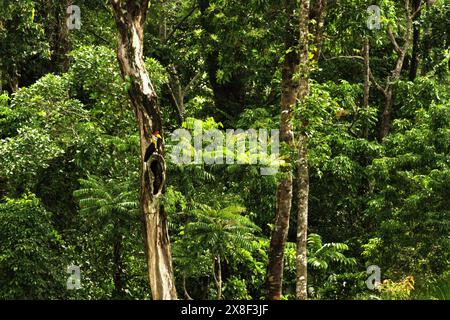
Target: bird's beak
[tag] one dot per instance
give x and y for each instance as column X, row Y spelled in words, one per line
column 158, row 136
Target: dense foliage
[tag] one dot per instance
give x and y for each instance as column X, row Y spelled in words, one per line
column 69, row 151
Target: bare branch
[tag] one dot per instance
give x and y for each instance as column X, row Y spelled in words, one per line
column 393, row 41
column 192, row 82
column 377, row 85
column 186, row 294
column 415, row 13
column 346, row 57
column 174, row 97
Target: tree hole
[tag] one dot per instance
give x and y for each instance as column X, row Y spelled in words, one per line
column 156, row 168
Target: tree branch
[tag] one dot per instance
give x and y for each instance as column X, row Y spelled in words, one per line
column 346, row 57
column 192, row 82
column 186, row 294
column 377, row 85
column 214, row 273
column 415, row 13
column 180, row 23
column 393, row 41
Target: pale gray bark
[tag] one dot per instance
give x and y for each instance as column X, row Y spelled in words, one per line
column 302, row 162
column 130, row 18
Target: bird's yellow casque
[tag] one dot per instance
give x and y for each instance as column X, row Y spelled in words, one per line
column 153, row 147
column 155, row 138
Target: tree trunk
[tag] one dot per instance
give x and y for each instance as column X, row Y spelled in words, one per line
column 187, row 296
column 14, row 82
column 389, row 94
column 302, row 163
column 62, row 46
column 54, row 13
column 130, row 18
column 179, row 92
column 366, row 83
column 218, row 277
column 302, row 220
column 386, row 116
column 289, row 88
column 117, row 261
column 205, row 288
column 176, row 91
column 319, row 9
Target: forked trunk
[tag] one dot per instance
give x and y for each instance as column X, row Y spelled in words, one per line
column 396, row 72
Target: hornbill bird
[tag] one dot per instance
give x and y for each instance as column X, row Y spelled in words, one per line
column 153, row 147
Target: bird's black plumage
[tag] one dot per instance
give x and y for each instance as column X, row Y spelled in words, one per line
column 150, row 150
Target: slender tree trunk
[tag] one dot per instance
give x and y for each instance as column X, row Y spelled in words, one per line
column 176, row 90
column 179, row 92
column 320, row 10
column 187, row 296
column 302, row 163
column 389, row 95
column 302, row 220
column 386, row 116
column 218, row 276
column 62, row 45
column 163, row 21
column 130, row 18
column 55, row 25
column 117, row 261
column 366, row 83
column 205, row 288
column 14, row 82
column 289, row 88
